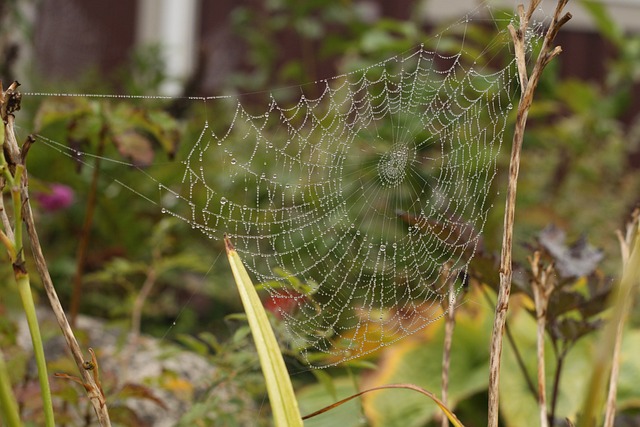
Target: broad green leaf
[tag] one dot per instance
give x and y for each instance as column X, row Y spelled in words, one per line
column 419, row 361
column 518, row 406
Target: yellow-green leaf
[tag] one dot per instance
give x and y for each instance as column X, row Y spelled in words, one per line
column 283, row 401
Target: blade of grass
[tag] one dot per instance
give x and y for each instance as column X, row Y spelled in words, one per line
column 283, row 401
column 8, row 404
column 24, row 288
column 612, row 332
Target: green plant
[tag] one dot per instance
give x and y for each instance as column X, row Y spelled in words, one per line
column 12, row 166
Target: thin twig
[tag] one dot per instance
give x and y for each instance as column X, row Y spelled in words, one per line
column 138, row 304
column 450, row 322
column 85, row 235
column 93, row 392
column 542, row 285
column 561, row 355
column 520, row 361
column 528, row 86
column 626, row 243
column 516, row 351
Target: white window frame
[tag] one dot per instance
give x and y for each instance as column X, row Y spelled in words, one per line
column 173, row 25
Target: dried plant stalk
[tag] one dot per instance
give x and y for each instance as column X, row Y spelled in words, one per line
column 542, row 285
column 450, row 322
column 528, row 85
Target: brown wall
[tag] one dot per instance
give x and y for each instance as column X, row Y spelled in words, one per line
column 73, row 36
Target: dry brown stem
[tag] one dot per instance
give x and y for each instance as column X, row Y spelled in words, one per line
column 8, row 100
column 542, row 284
column 450, row 321
column 85, row 235
column 528, row 85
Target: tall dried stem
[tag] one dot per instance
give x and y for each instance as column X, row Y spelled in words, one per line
column 528, row 85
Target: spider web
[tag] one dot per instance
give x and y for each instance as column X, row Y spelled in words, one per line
column 358, row 206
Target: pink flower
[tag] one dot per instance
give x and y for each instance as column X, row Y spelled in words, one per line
column 58, row 197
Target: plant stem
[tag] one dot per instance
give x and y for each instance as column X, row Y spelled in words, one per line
column 528, row 86
column 521, row 365
column 93, row 391
column 8, row 403
column 24, row 288
column 138, row 304
column 516, row 351
column 542, row 393
column 612, row 332
column 542, row 285
column 449, row 325
column 85, row 235
column 625, row 245
column 556, row 384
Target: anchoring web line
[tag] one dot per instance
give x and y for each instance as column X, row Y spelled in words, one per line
column 361, row 203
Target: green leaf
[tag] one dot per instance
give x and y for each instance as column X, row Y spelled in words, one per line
column 61, row 111
column 193, row 344
column 518, row 406
column 211, row 340
column 283, row 401
column 419, row 361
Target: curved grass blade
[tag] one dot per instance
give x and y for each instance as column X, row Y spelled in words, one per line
column 450, row 415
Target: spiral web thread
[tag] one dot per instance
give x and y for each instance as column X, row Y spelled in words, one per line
column 358, row 206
